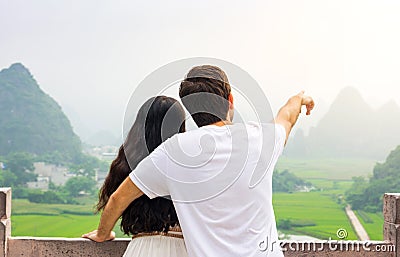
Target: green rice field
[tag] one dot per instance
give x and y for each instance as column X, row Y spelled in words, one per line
column 319, row 213
column 53, row 220
column 316, row 208
column 372, row 223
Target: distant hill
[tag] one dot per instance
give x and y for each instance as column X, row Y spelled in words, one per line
column 102, row 138
column 31, row 121
column 367, row 195
column 350, row 129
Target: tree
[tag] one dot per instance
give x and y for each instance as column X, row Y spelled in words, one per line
column 287, row 182
column 285, row 224
column 19, row 161
column 88, row 166
column 7, row 178
column 355, row 195
column 368, row 196
column 45, row 197
column 21, row 165
column 75, row 185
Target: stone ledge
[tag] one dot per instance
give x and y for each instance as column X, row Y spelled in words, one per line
column 391, row 208
column 60, row 247
column 5, row 202
column 74, row 247
column 391, row 233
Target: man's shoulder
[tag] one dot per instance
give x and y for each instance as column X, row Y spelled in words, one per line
column 181, row 139
column 191, row 136
column 268, row 128
column 187, row 135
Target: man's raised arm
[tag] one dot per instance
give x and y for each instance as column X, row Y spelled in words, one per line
column 288, row 114
column 118, row 202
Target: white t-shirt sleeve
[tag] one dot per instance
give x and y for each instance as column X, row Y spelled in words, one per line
column 280, row 138
column 149, row 175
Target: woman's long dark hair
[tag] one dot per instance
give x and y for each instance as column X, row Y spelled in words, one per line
column 147, row 133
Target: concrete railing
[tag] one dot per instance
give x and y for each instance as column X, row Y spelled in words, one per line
column 74, row 247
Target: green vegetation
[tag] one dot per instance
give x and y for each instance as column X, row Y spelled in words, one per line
column 18, row 167
column 367, row 195
column 75, row 185
column 373, row 224
column 287, row 182
column 63, row 225
column 17, row 171
column 364, row 216
column 32, row 219
column 333, row 178
column 50, row 197
column 31, row 121
column 327, row 169
column 34, row 128
column 315, row 214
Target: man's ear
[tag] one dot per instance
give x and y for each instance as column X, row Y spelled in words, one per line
column 230, row 99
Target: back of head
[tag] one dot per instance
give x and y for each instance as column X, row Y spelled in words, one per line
column 205, row 93
column 158, row 119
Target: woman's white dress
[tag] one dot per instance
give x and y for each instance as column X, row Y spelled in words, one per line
column 159, row 245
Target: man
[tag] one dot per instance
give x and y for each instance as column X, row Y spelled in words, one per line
column 208, row 172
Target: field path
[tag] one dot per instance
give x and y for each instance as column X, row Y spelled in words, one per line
column 359, row 229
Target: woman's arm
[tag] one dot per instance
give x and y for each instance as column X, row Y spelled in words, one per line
column 118, row 202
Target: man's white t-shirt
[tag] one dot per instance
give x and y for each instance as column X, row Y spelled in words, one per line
column 220, row 179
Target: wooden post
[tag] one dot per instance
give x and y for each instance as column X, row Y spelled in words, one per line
column 391, row 215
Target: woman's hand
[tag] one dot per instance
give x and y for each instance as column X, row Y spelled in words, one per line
column 95, row 237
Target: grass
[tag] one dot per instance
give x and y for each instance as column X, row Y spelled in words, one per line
column 53, row 220
column 24, row 207
column 327, row 215
column 333, row 177
column 52, row 226
column 321, row 208
column 48, row 220
column 56, row 226
column 373, row 224
column 327, row 169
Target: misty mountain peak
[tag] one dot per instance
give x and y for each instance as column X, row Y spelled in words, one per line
column 18, row 68
column 391, row 105
column 349, row 99
column 31, row 121
column 349, row 94
column 352, row 129
column 18, row 76
column 390, row 110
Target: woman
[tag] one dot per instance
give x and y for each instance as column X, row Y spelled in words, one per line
column 153, row 223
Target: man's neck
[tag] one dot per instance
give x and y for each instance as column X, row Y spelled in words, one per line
column 222, row 123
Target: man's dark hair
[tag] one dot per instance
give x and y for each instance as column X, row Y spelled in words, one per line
column 210, row 89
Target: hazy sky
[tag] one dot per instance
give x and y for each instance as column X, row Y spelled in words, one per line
column 89, row 55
